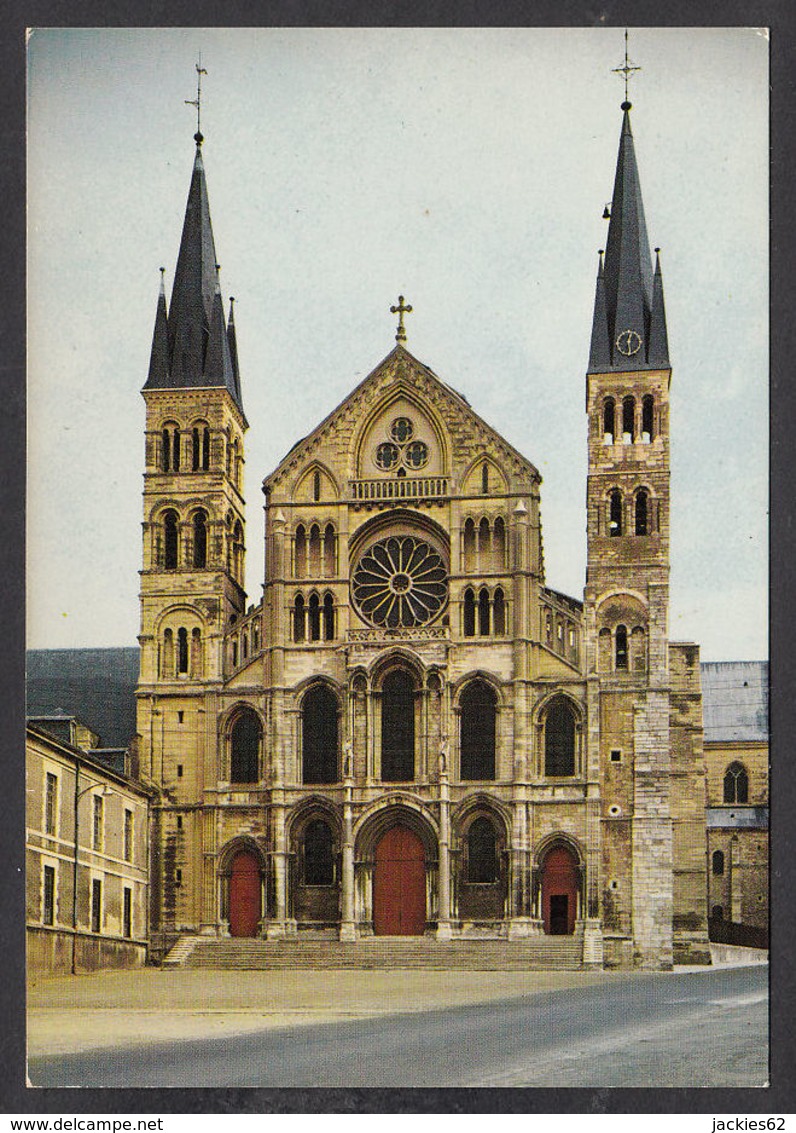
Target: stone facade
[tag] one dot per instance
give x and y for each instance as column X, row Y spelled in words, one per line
column 413, row 733
column 86, row 896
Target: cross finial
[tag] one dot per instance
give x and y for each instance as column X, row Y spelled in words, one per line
column 197, row 102
column 627, row 71
column 400, row 311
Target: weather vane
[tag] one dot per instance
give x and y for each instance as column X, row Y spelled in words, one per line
column 400, row 311
column 627, row 71
column 197, row 102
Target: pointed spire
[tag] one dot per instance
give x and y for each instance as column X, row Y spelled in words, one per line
column 658, row 353
column 600, row 351
column 159, row 357
column 197, row 351
column 233, row 347
column 627, row 276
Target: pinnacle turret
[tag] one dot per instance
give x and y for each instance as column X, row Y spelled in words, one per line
column 629, row 329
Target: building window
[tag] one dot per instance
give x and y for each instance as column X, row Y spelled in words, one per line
column 328, row 617
column 468, row 545
column 621, row 647
column 482, row 859
column 170, row 540
column 315, row 551
column 329, row 551
column 648, row 418
column 616, row 756
column 50, row 803
column 200, row 540
column 201, row 448
column 300, row 552
column 609, row 421
column 642, row 512
column 718, row 863
column 315, row 617
column 96, row 905
column 182, row 650
column 469, row 613
column 397, row 728
column 127, row 912
column 316, row 486
column 299, row 618
column 717, row 913
column 245, row 748
column 615, row 512
column 97, row 822
column 485, row 478
column 628, row 420
column 499, row 613
column 318, row 854
column 477, row 731
column 319, row 736
column 128, row 835
column 48, row 895
column 483, row 612
column 559, row 739
column 736, row 784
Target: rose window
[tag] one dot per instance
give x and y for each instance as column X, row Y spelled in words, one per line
column 400, row 581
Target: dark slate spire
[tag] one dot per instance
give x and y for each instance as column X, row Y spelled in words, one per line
column 658, row 354
column 233, row 348
column 627, row 277
column 197, row 349
column 159, row 358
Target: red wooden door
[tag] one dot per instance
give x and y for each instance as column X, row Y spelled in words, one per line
column 399, row 885
column 244, row 895
column 559, row 891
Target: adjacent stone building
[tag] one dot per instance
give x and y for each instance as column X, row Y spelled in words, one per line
column 87, row 851
column 737, row 758
column 414, row 733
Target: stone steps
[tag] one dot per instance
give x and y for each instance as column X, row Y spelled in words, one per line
column 538, row 953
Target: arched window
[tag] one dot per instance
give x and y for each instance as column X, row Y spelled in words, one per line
column 648, row 418
column 245, row 646
column 299, row 618
column 484, row 542
column 245, row 740
column 301, row 551
column 483, row 611
column 175, row 450
column 205, row 448
column 328, row 617
column 499, row 613
column 200, row 540
column 642, row 512
column 196, row 450
column 165, row 450
column 604, row 650
column 167, row 657
column 638, row 649
column 182, row 650
column 170, row 540
column 717, row 913
column 329, row 551
column 718, row 863
column 609, row 421
column 237, row 551
column 315, row 618
column 477, row 730
column 629, row 420
column 397, row 727
column 736, row 784
column 484, row 478
column 499, row 544
column 469, row 613
column 255, row 638
column 621, row 647
column 316, row 485
column 200, row 449
column 197, row 667
column 315, row 551
column 559, row 739
column 235, row 654
column 615, row 512
column 319, row 736
column 318, row 854
column 469, row 545
column 482, row 860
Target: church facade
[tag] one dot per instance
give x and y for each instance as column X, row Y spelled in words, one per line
column 413, row 733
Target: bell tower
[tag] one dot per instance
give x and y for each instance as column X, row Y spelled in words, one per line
column 627, row 585
column 193, row 525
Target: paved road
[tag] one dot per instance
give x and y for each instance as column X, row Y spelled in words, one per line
column 706, row 1028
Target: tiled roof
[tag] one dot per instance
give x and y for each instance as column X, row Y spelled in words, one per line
column 95, row 685
column 735, row 700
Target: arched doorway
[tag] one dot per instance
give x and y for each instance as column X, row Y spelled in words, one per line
column 245, row 908
column 559, row 891
column 399, row 884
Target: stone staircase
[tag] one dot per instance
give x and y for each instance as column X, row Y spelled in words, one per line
column 539, row 953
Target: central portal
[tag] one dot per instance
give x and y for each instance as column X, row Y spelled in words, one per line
column 399, row 884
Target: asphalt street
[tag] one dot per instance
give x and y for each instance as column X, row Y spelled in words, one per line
column 700, row 1028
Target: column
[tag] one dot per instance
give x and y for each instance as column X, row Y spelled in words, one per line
column 347, row 926
column 444, row 915
column 276, row 928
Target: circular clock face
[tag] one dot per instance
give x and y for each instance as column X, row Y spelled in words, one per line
column 628, row 342
column 400, row 581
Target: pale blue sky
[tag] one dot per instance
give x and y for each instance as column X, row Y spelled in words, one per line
column 466, row 169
